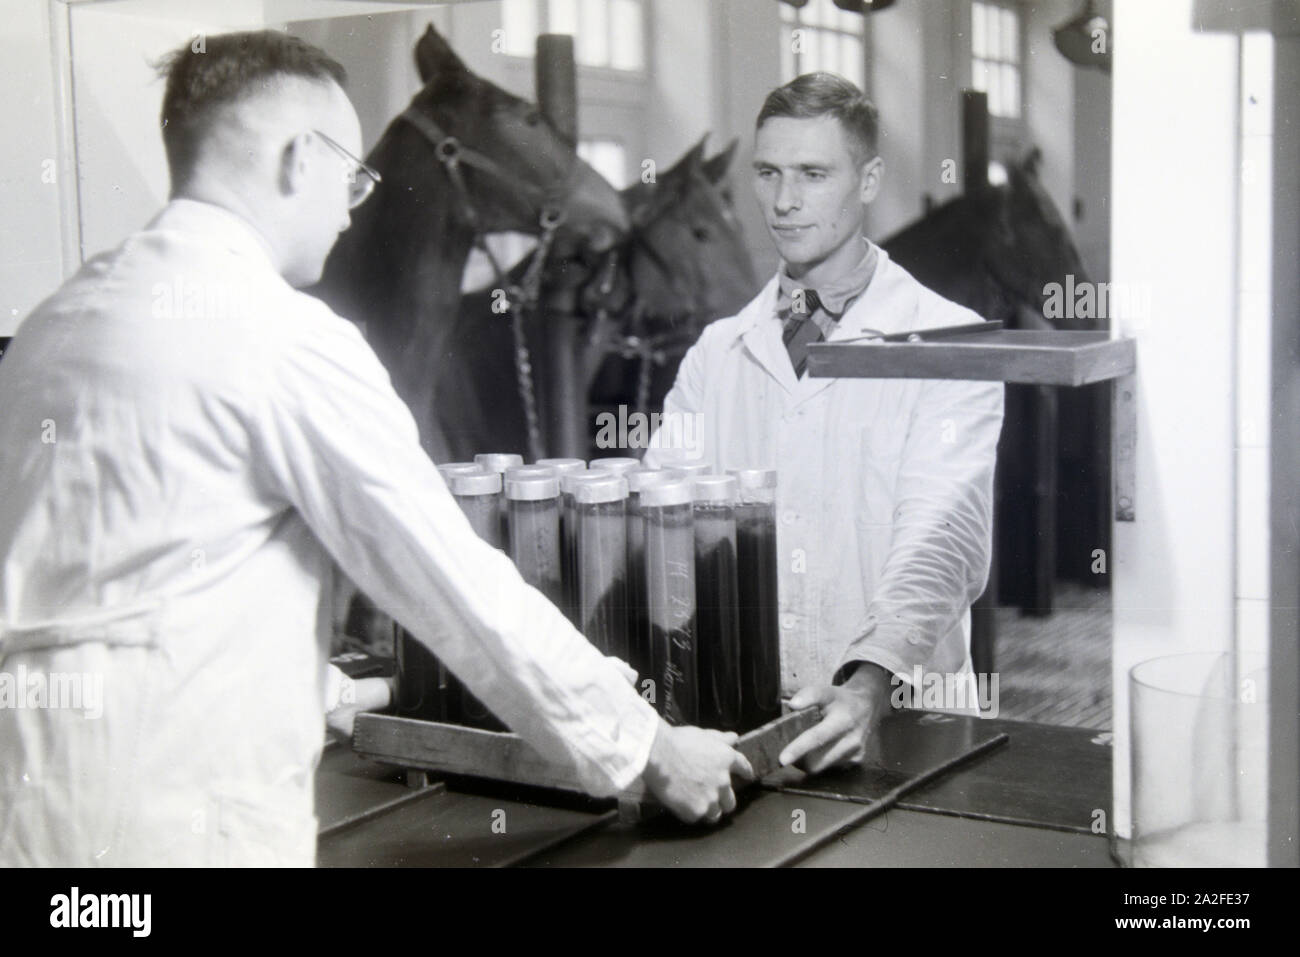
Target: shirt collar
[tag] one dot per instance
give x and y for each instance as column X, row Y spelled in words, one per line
column 837, row 294
column 214, row 224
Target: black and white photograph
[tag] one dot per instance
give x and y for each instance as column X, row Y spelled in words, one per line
column 648, row 434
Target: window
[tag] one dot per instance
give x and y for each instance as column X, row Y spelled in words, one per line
column 820, row 36
column 606, row 33
column 995, row 56
column 606, row 157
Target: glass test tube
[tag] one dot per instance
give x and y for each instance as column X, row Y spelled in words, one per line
column 670, row 598
column 600, row 516
column 426, row 689
column 638, row 618
column 569, row 543
column 717, row 635
column 499, row 462
column 562, row 468
column 756, row 565
column 533, row 503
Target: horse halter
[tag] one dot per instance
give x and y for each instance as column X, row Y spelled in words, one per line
column 551, row 204
column 453, row 154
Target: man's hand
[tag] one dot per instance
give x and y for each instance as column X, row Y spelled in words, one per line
column 355, row 696
column 690, row 771
column 851, row 713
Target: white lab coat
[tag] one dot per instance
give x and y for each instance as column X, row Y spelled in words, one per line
column 185, row 444
column 884, row 507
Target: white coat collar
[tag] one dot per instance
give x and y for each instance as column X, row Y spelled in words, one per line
column 888, row 305
column 213, row 224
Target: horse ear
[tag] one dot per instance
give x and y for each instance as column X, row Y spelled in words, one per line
column 716, row 166
column 435, row 58
column 1033, row 159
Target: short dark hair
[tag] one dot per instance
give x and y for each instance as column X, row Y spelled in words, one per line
column 820, row 94
column 211, row 72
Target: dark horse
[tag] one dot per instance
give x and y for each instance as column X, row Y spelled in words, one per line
column 994, row 251
column 465, row 158
column 640, row 306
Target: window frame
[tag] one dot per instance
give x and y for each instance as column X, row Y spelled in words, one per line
column 1007, row 135
column 792, row 18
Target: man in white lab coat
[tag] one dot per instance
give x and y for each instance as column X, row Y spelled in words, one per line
column 187, row 445
column 885, row 498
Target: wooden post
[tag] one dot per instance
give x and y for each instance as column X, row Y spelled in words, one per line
column 974, row 140
column 975, row 176
column 562, row 399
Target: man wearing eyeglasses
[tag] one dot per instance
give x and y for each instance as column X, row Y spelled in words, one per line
column 188, row 447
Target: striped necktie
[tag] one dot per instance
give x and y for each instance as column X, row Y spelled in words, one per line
column 800, row 330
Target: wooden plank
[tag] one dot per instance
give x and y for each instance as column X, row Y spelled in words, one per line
column 1009, row 355
column 1045, row 776
column 508, row 758
column 452, row 749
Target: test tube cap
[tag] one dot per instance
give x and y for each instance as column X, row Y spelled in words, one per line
column 618, row 465
column 568, row 478
column 474, row 483
column 714, row 488
column 498, row 461
column 531, row 471
column 598, row 488
column 679, row 492
column 563, row 466
column 644, row 478
column 754, row 478
column 448, row 469
column 531, row 488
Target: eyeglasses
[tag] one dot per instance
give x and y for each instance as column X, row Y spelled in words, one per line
column 359, row 187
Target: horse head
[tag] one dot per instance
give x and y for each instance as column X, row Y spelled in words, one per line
column 1030, row 242
column 514, row 165
column 464, row 158
column 686, row 254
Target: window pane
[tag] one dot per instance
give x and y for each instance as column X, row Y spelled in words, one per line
column 814, row 14
column 851, row 59
column 992, row 34
column 993, row 86
column 625, row 35
column 606, row 157
column 979, row 42
column 979, row 75
column 830, row 44
column 563, row 17
column 519, row 20
column 1010, row 44
column 593, row 33
column 1011, row 90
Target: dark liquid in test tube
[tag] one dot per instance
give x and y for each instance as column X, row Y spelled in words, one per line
column 426, row 688
column 717, row 635
column 535, row 544
column 670, row 601
column 760, row 649
column 760, row 635
column 602, row 564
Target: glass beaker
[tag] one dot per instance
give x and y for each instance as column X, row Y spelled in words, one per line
column 1199, row 754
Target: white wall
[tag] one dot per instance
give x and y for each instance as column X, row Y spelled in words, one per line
column 31, row 259
column 1174, row 220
